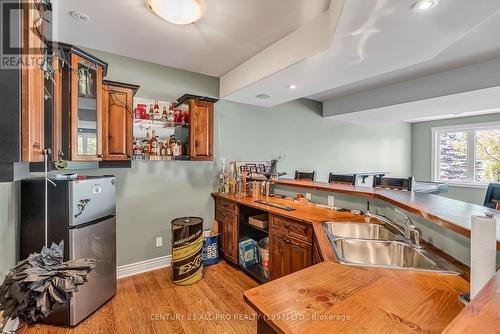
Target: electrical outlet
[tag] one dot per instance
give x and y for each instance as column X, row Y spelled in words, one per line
column 308, row 196
column 159, row 242
column 331, row 201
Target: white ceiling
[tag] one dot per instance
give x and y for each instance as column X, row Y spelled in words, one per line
column 230, row 32
column 379, row 37
column 471, row 103
column 372, row 43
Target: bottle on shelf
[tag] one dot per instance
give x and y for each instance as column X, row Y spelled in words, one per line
column 151, row 112
column 170, row 114
column 153, row 145
column 164, row 115
column 156, row 111
column 146, row 145
column 137, row 149
column 175, row 149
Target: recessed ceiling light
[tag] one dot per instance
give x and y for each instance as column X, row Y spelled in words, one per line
column 177, row 11
column 264, row 96
column 424, row 5
column 79, row 15
column 292, row 86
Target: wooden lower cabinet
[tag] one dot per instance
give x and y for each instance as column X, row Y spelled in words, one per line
column 278, row 263
column 226, row 214
column 230, row 238
column 287, row 254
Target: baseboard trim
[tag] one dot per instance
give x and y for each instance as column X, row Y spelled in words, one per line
column 143, row 266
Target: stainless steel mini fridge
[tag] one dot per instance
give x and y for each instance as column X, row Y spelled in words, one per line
column 82, row 213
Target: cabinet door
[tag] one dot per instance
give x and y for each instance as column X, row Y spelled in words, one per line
column 117, row 123
column 231, row 237
column 57, row 96
column 201, row 130
column 32, row 85
column 86, row 110
column 278, row 259
column 299, row 254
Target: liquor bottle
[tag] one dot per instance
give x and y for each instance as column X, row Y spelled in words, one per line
column 170, row 114
column 153, row 146
column 151, row 112
column 164, row 114
column 146, row 144
column 156, row 111
column 137, row 149
column 176, row 149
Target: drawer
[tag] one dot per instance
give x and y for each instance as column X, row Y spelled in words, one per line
column 292, row 228
column 225, row 205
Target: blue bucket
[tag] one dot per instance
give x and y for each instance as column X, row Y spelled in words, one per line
column 210, row 250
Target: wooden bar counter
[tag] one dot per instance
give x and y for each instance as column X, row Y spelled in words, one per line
column 330, row 297
column 445, row 212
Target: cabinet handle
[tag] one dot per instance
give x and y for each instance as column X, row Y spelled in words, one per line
column 287, row 225
column 224, row 214
column 287, row 241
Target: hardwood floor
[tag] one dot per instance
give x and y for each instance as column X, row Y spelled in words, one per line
column 151, row 303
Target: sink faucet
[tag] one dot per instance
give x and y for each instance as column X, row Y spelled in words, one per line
column 411, row 232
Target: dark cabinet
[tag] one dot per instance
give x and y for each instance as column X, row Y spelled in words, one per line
column 22, row 127
column 32, row 80
column 290, row 246
column 117, row 118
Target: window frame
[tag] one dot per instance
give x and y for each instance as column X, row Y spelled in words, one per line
column 470, row 128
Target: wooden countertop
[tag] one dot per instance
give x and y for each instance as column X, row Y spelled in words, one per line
column 482, row 315
column 376, row 300
column 446, row 212
column 370, row 300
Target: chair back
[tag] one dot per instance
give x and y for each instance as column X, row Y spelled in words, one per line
column 492, row 199
column 342, row 178
column 309, row 176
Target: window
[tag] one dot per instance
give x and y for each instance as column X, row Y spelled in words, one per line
column 466, row 155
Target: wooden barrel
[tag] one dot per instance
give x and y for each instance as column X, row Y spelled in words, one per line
column 187, row 250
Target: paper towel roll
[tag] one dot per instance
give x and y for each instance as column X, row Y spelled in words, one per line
column 483, row 252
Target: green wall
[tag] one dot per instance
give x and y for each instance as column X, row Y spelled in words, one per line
column 151, row 194
column 421, row 148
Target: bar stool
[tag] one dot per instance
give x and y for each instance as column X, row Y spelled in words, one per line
column 492, row 199
column 307, row 176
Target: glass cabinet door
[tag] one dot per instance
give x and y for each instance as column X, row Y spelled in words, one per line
column 86, row 112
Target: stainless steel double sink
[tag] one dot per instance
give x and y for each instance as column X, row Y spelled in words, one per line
column 372, row 245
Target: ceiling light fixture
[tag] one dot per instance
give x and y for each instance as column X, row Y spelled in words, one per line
column 264, row 96
column 79, row 16
column 424, row 5
column 292, row 86
column 177, row 11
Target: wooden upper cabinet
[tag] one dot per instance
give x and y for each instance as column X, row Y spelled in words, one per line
column 57, row 110
column 117, row 119
column 32, row 84
column 86, row 110
column 201, row 120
